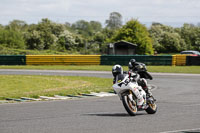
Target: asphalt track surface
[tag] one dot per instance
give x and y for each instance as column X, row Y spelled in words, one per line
column 178, row 101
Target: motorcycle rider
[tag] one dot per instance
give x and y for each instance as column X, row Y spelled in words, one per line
column 140, row 68
column 119, row 75
column 125, row 83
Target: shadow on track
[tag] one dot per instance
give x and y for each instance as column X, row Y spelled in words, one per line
column 114, row 114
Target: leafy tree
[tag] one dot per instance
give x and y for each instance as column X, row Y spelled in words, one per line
column 108, row 33
column 166, row 38
column 80, row 41
column 99, row 39
column 67, row 41
column 11, row 39
column 96, row 26
column 90, row 31
column 136, row 33
column 156, row 34
column 115, row 21
column 17, row 25
column 82, row 27
column 196, row 44
column 191, row 34
column 163, row 27
column 67, row 26
column 49, row 31
column 34, row 40
column 172, row 42
column 43, row 35
column 86, row 29
column 90, row 38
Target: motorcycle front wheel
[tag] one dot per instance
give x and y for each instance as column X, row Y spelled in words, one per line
column 152, row 109
column 130, row 106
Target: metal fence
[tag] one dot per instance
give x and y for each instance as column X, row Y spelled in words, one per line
column 193, row 60
column 124, row 59
column 12, row 60
column 63, row 59
column 176, row 60
column 179, row 60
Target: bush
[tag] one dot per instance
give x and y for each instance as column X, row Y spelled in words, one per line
column 11, row 39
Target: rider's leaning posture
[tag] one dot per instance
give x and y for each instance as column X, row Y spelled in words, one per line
column 118, row 73
column 119, row 76
column 140, row 69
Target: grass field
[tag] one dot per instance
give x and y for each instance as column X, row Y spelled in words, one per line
column 161, row 69
column 16, row 86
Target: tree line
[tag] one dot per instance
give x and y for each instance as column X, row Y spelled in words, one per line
column 90, row 37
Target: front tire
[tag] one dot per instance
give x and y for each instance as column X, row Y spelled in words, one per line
column 129, row 105
column 152, row 109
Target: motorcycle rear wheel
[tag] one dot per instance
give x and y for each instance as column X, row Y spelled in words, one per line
column 129, row 105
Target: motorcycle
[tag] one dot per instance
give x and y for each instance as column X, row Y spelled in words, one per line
column 132, row 95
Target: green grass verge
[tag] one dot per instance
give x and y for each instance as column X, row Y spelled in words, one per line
column 61, row 67
column 175, row 69
column 16, row 86
column 161, row 69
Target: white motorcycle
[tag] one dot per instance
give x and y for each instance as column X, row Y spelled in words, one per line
column 133, row 96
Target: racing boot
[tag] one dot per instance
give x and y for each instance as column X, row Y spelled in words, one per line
column 148, row 92
column 142, row 82
column 146, row 89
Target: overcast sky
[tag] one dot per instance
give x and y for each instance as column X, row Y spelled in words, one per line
column 61, row 11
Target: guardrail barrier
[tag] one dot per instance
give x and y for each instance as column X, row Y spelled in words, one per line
column 179, row 60
column 124, row 59
column 193, row 60
column 12, row 60
column 63, row 59
column 174, row 60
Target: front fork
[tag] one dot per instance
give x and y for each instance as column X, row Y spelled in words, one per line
column 130, row 96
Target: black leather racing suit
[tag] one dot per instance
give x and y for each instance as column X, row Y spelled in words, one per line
column 140, row 69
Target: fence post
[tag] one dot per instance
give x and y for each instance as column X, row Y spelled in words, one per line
column 173, row 60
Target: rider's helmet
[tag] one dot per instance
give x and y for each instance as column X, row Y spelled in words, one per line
column 117, row 69
column 131, row 63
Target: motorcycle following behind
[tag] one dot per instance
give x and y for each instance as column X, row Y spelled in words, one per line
column 133, row 97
